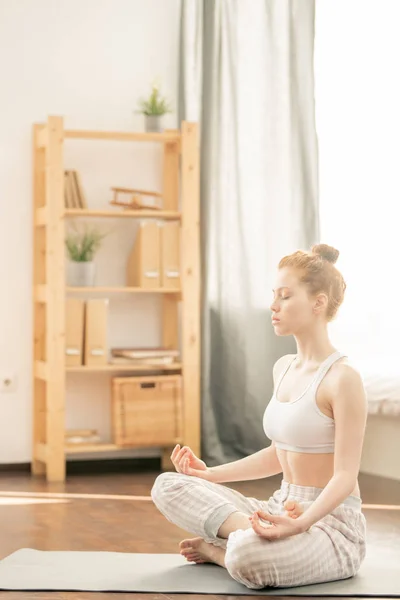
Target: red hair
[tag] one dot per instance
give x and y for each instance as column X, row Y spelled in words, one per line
column 318, row 272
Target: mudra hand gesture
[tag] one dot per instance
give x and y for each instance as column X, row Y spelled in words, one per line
column 185, row 461
column 278, row 526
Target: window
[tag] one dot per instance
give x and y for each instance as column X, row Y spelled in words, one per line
column 358, row 126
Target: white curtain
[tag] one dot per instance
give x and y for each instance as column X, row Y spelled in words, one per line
column 247, row 76
column 357, row 50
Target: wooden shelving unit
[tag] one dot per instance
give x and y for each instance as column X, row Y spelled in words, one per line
column 180, row 203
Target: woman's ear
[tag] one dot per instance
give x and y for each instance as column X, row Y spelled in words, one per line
column 320, row 304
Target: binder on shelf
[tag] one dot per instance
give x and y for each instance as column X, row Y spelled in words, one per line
column 143, row 268
column 74, row 329
column 170, row 255
column 96, row 351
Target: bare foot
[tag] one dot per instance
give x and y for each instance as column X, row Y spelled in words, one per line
column 198, row 551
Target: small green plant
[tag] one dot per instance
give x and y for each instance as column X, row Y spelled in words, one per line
column 155, row 105
column 82, row 246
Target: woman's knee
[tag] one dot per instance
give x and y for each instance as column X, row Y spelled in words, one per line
column 164, row 485
column 246, row 562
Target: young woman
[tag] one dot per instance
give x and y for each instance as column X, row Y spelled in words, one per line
column 312, row 529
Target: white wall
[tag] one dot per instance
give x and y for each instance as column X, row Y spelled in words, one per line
column 89, row 61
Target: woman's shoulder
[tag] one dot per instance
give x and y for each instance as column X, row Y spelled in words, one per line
column 344, row 367
column 341, row 386
column 281, row 364
column 343, row 371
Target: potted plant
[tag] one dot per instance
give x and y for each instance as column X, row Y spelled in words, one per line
column 153, row 109
column 81, row 248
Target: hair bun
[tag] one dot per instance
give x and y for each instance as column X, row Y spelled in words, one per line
column 329, row 253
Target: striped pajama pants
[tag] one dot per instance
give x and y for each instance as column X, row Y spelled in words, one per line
column 333, row 548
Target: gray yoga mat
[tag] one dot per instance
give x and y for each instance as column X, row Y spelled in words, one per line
column 29, row 569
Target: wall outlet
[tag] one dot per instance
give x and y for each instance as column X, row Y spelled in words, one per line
column 8, row 383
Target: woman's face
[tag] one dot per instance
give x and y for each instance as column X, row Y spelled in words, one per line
column 292, row 307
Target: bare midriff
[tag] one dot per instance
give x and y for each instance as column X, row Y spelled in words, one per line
column 310, row 470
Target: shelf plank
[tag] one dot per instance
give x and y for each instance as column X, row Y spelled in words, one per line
column 122, row 290
column 39, row 314
column 54, row 260
column 41, row 293
column 170, row 215
column 191, row 286
column 77, row 448
column 41, row 216
column 122, row 136
column 41, row 370
column 41, row 452
column 118, row 367
column 42, row 137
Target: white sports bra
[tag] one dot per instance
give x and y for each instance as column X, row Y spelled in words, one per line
column 299, row 426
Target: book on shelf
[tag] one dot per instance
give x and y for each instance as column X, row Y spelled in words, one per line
column 82, row 432
column 74, row 196
column 82, row 436
column 141, row 353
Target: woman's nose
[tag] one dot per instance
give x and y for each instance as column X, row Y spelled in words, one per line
column 274, row 307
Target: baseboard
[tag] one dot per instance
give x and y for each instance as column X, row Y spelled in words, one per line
column 15, row 467
column 93, row 466
column 114, row 465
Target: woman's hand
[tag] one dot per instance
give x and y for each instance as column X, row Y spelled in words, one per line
column 293, row 509
column 186, row 462
column 278, row 526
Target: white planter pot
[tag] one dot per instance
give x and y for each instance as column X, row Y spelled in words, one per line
column 153, row 123
column 80, row 274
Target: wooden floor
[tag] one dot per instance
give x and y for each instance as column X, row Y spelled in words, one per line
column 101, row 522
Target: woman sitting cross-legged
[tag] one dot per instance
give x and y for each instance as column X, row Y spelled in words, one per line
column 312, row 529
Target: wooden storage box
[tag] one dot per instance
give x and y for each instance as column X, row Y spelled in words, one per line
column 147, row 411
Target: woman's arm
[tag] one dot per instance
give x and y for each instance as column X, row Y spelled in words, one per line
column 262, row 464
column 349, row 406
column 256, row 466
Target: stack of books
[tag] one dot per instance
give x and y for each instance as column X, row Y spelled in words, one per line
column 74, row 196
column 81, row 436
column 144, row 356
